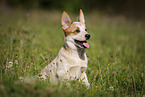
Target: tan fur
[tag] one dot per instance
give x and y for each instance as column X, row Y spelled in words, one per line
column 71, row 30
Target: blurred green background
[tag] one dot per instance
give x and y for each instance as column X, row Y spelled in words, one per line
column 131, row 8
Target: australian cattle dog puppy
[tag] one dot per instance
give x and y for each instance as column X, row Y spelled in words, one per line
column 71, row 61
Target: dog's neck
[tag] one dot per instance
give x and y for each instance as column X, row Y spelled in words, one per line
column 79, row 51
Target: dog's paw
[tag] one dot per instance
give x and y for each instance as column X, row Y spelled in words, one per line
column 88, row 85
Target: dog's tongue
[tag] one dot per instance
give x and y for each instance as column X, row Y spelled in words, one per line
column 86, row 45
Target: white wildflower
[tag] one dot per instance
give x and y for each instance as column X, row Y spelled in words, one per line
column 21, row 78
column 10, row 62
column 111, row 88
column 10, row 65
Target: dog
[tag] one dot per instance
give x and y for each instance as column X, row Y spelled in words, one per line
column 71, row 61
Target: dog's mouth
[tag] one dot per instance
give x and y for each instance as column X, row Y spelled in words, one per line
column 82, row 44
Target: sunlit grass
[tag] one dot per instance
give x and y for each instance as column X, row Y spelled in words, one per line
column 30, row 40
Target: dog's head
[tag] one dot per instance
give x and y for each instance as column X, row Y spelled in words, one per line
column 76, row 34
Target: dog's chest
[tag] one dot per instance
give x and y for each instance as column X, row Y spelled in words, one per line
column 76, row 67
column 76, row 71
column 74, row 64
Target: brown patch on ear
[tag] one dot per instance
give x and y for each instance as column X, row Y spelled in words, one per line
column 78, row 20
column 73, row 27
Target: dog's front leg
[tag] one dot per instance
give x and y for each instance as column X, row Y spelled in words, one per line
column 62, row 74
column 85, row 79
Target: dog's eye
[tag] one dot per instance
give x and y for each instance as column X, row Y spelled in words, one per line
column 77, row 31
column 85, row 29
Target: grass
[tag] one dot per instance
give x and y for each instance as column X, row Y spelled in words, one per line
column 31, row 40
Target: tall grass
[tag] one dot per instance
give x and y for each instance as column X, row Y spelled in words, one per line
column 31, row 40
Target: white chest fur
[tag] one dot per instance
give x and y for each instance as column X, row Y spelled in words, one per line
column 71, row 64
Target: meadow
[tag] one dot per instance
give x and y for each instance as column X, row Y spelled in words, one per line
column 30, row 40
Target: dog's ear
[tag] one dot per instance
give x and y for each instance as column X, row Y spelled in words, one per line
column 81, row 18
column 65, row 21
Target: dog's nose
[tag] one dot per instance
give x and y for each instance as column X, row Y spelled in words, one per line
column 87, row 36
